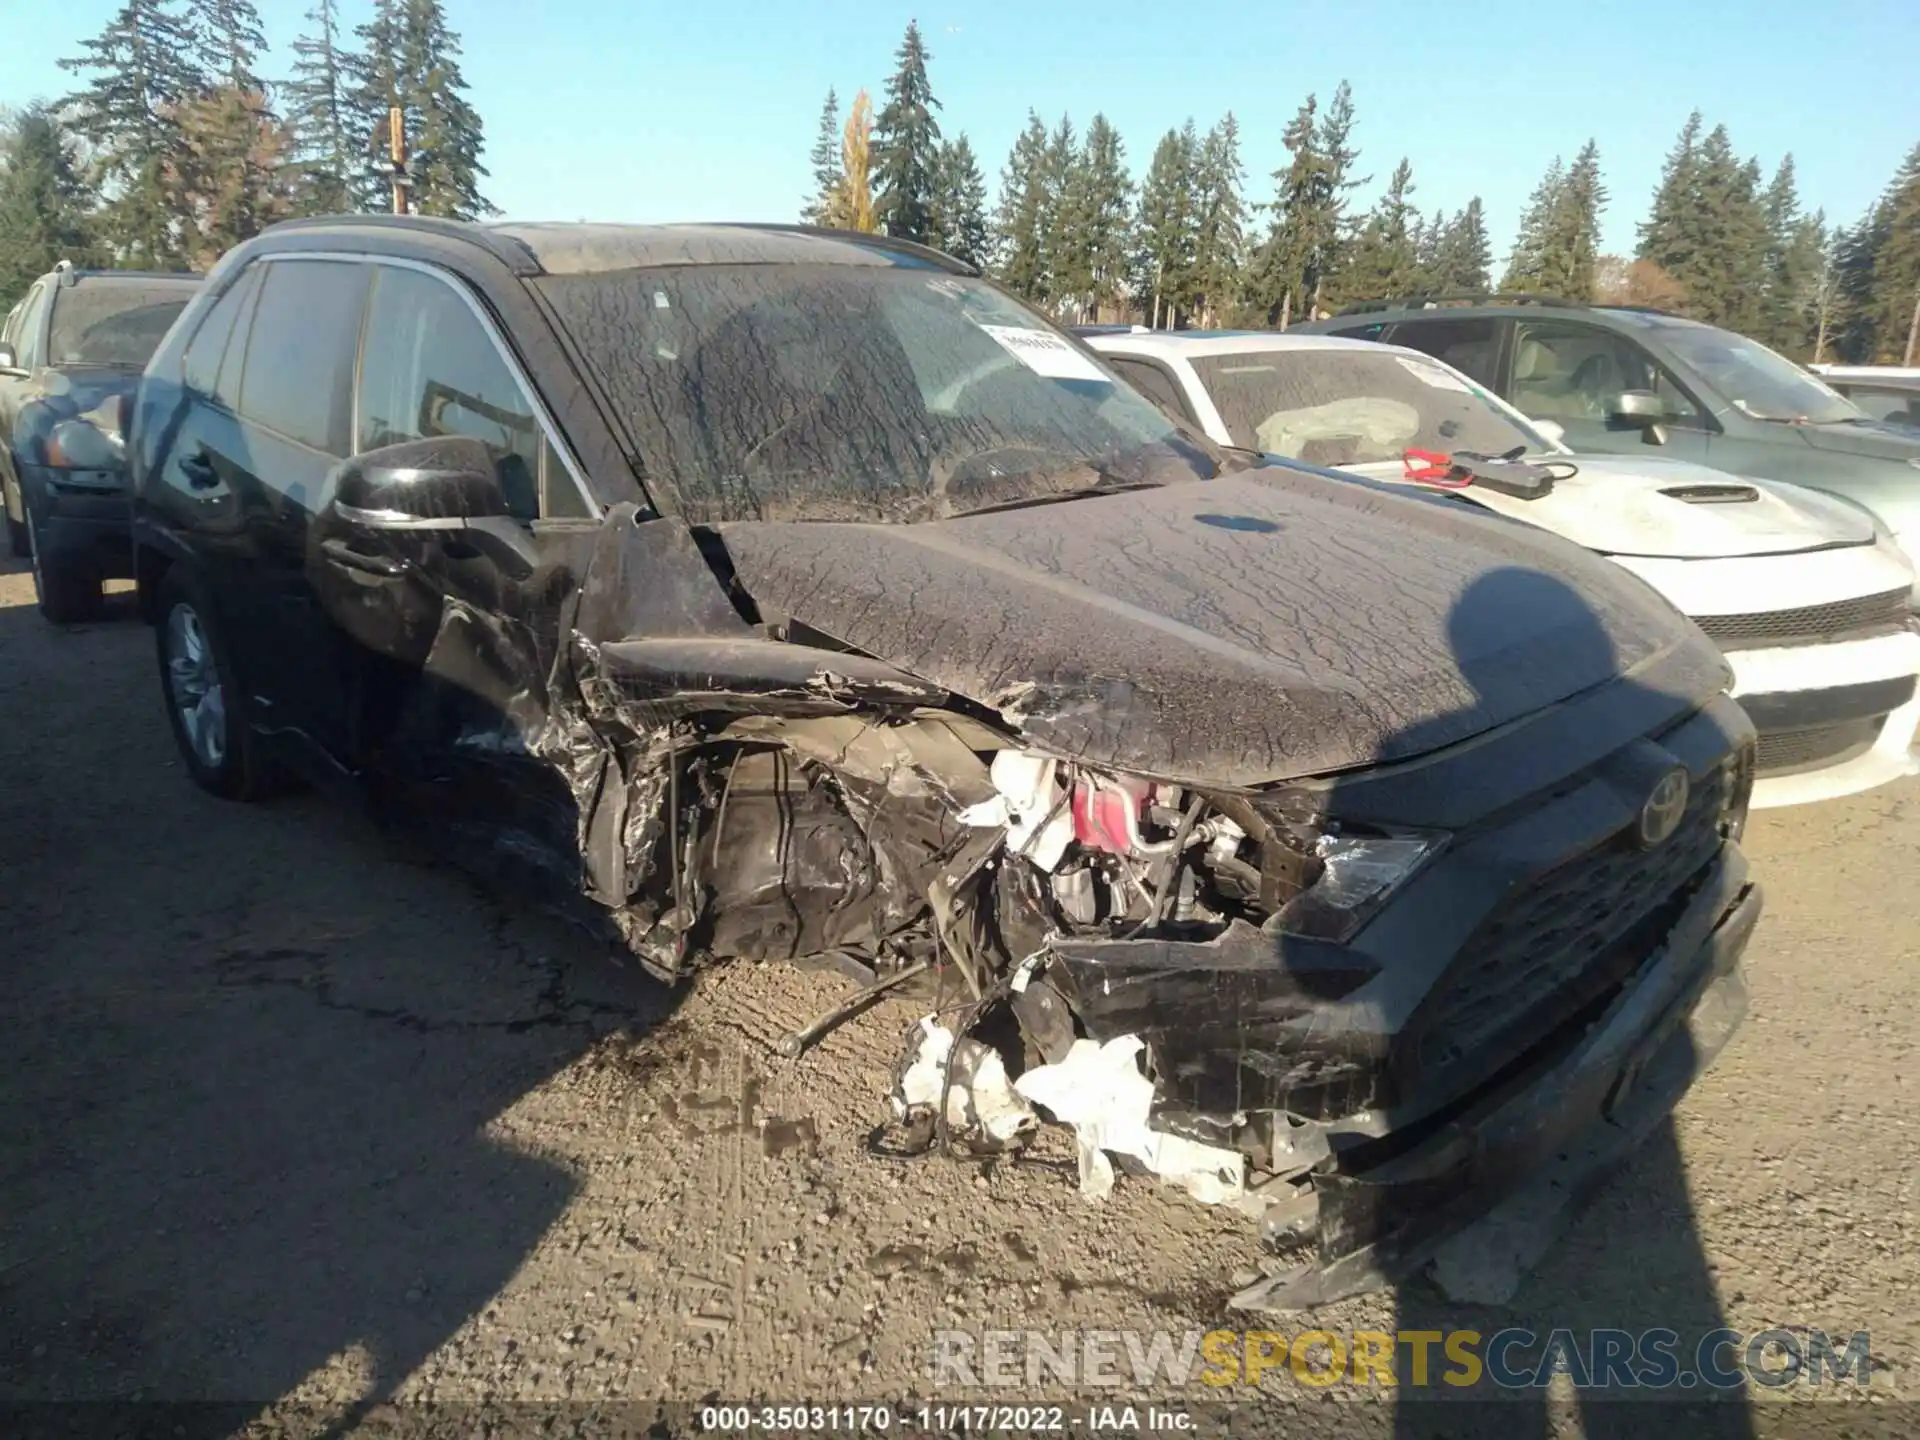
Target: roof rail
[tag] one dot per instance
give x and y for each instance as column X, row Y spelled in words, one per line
column 879, row 242
column 1463, row 297
column 511, row 251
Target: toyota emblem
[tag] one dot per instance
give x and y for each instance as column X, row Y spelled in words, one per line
column 1661, row 815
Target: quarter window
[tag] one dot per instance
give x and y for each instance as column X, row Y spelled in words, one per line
column 1573, row 372
column 430, row 368
column 214, row 340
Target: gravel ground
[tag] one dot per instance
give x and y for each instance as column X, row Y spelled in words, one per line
column 291, row 1117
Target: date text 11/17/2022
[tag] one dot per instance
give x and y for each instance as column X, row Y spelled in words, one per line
column 940, row 1419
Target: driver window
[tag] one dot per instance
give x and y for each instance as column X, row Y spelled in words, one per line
column 1572, row 372
column 428, row 367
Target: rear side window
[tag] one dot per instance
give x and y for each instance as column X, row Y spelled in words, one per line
column 1470, row 346
column 215, row 339
column 300, row 352
column 431, row 368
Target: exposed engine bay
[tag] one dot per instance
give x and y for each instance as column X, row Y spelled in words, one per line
column 1168, row 970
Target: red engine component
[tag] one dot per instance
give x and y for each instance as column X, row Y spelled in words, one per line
column 1106, row 814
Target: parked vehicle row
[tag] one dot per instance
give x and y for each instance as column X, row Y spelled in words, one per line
column 71, row 353
column 1807, row 595
column 773, row 594
column 1620, row 379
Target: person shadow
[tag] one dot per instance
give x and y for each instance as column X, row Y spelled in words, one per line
column 1597, row 1232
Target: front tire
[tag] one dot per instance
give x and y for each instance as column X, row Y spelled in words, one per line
column 203, row 694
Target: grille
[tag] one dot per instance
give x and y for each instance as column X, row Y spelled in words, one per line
column 1817, row 744
column 1543, row 945
column 1886, row 611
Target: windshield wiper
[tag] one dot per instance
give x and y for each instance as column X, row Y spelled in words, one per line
column 1085, row 492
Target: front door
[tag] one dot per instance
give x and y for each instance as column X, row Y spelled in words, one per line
column 456, row 634
column 1570, row 373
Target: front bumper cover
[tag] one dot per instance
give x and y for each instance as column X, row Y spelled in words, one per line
column 1482, row 1194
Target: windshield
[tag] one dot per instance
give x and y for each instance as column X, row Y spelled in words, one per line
column 1765, row 385
column 855, row 392
column 1354, row 407
column 113, row 322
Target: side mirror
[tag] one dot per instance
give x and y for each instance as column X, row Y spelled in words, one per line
column 8, row 360
column 442, row 478
column 1640, row 410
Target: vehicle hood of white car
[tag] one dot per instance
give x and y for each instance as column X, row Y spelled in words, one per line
column 1619, row 505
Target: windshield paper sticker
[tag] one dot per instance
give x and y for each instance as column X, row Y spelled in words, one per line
column 1045, row 354
column 1433, row 375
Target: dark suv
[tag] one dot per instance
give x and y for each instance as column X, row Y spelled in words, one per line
column 71, row 353
column 1617, row 378
column 783, row 594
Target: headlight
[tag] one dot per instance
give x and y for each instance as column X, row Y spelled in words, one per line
column 1358, row 872
column 78, row 445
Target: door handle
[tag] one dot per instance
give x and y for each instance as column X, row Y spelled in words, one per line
column 343, row 553
column 197, row 466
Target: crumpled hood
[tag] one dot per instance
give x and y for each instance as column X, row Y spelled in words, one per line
column 1621, row 505
column 1266, row 626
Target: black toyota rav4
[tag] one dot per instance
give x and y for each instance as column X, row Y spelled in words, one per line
column 790, row 595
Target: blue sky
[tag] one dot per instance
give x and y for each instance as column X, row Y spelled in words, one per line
column 645, row 111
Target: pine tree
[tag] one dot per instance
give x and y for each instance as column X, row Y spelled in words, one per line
column 826, row 163
column 1855, row 311
column 1019, row 220
column 1384, row 260
column 1463, row 260
column 960, row 203
column 853, row 206
column 1061, row 206
column 1796, row 265
column 1559, row 240
column 1896, row 266
column 906, row 142
column 1309, row 231
column 1102, row 208
column 1166, row 230
column 330, row 176
column 140, row 68
column 1336, row 145
column 229, row 40
column 410, row 58
column 1708, row 229
column 1668, row 237
column 1219, row 229
column 46, row 205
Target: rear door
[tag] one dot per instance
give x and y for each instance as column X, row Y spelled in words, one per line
column 295, row 404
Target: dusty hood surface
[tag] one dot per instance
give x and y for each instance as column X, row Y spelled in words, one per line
column 1882, row 442
column 1253, row 628
column 1622, row 505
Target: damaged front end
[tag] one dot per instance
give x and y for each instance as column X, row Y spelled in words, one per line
column 1364, row 1011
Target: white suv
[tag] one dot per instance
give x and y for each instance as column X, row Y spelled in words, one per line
column 1806, row 594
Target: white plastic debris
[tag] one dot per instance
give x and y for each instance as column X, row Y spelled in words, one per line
column 1102, row 1092
column 1039, row 827
column 982, row 1099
